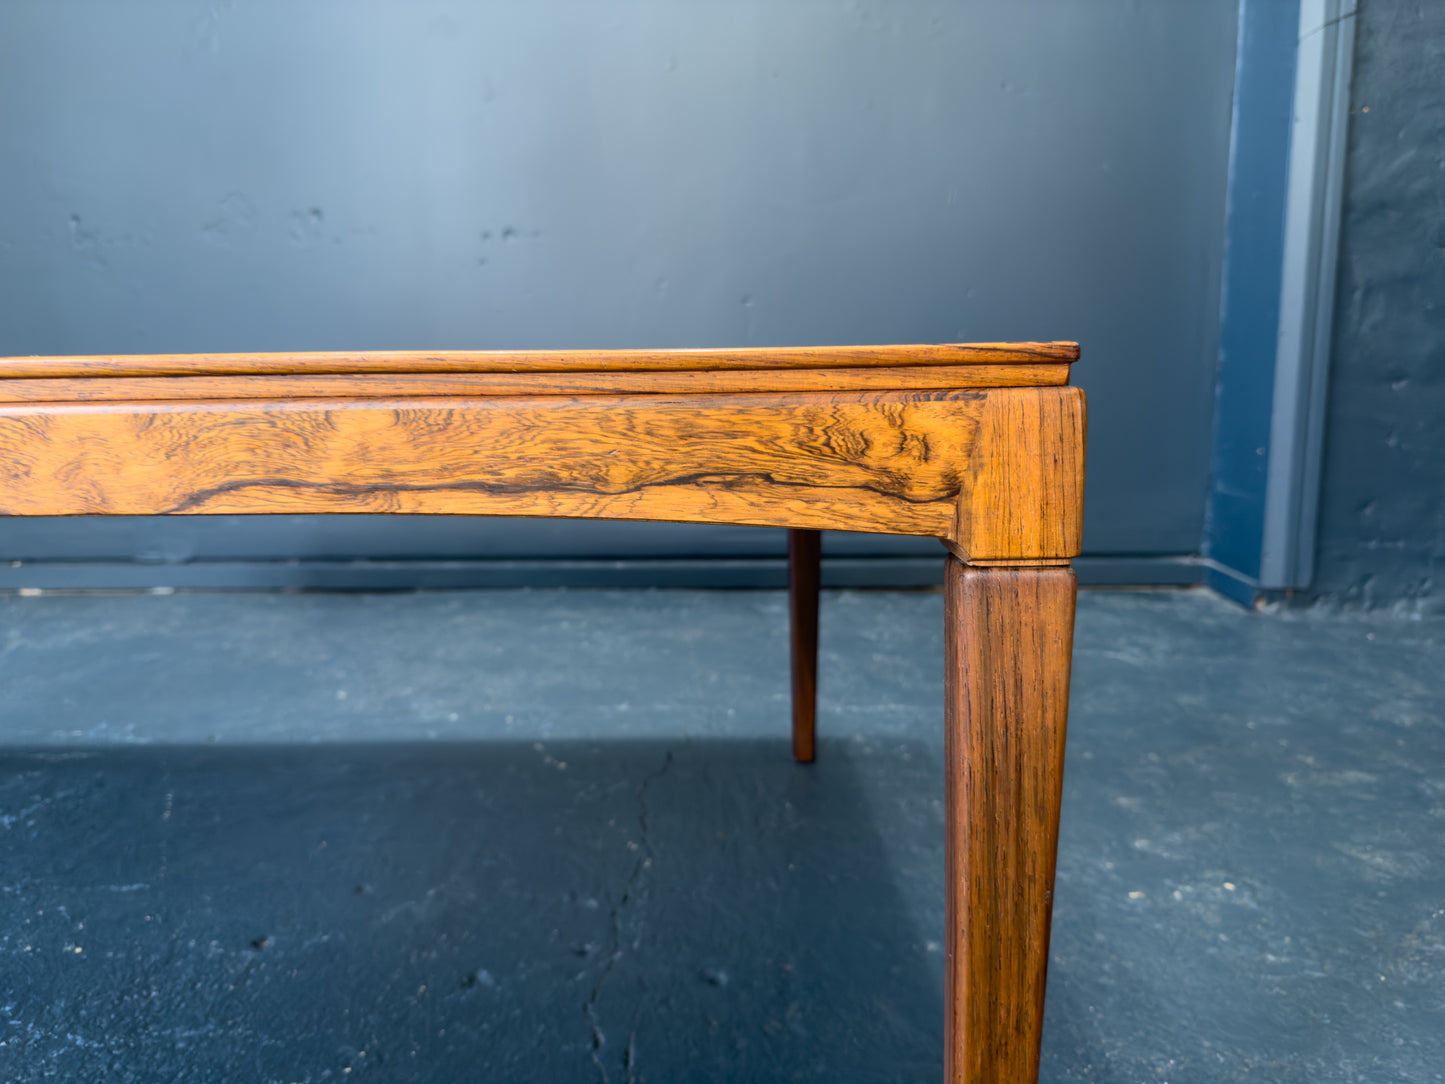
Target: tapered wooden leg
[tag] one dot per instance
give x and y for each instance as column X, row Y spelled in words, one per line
column 804, row 561
column 1009, row 637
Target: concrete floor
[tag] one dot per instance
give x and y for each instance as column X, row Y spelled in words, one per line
column 543, row 836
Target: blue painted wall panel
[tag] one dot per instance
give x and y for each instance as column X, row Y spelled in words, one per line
column 1254, row 250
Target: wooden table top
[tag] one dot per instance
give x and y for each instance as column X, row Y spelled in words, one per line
column 381, row 375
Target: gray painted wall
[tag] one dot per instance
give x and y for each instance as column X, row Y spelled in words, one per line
column 1382, row 515
column 363, row 174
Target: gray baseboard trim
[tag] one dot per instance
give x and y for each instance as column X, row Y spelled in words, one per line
column 1178, row 570
column 1231, row 583
column 411, row 575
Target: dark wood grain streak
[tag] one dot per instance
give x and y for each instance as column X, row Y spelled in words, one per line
column 1008, row 642
column 804, row 567
column 538, row 361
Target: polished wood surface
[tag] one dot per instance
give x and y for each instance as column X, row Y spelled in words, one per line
column 1022, row 495
column 540, row 361
column 805, row 553
column 381, row 385
column 900, row 462
column 1008, row 641
column 880, row 461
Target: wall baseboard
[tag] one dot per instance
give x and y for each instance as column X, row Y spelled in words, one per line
column 409, row 575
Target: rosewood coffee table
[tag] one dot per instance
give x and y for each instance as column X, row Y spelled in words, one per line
column 981, row 446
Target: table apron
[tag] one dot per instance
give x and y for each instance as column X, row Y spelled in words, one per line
column 997, row 473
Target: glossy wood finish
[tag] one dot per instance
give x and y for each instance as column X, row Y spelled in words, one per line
column 541, row 361
column 1008, row 642
column 804, row 567
column 882, row 461
column 1022, row 495
column 900, row 462
column 402, row 385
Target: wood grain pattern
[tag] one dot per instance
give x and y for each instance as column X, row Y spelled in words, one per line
column 870, row 461
column 805, row 554
column 994, row 471
column 1009, row 636
column 1023, row 493
column 381, row 385
column 538, row 361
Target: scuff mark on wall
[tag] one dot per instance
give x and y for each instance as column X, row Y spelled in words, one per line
column 235, row 215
